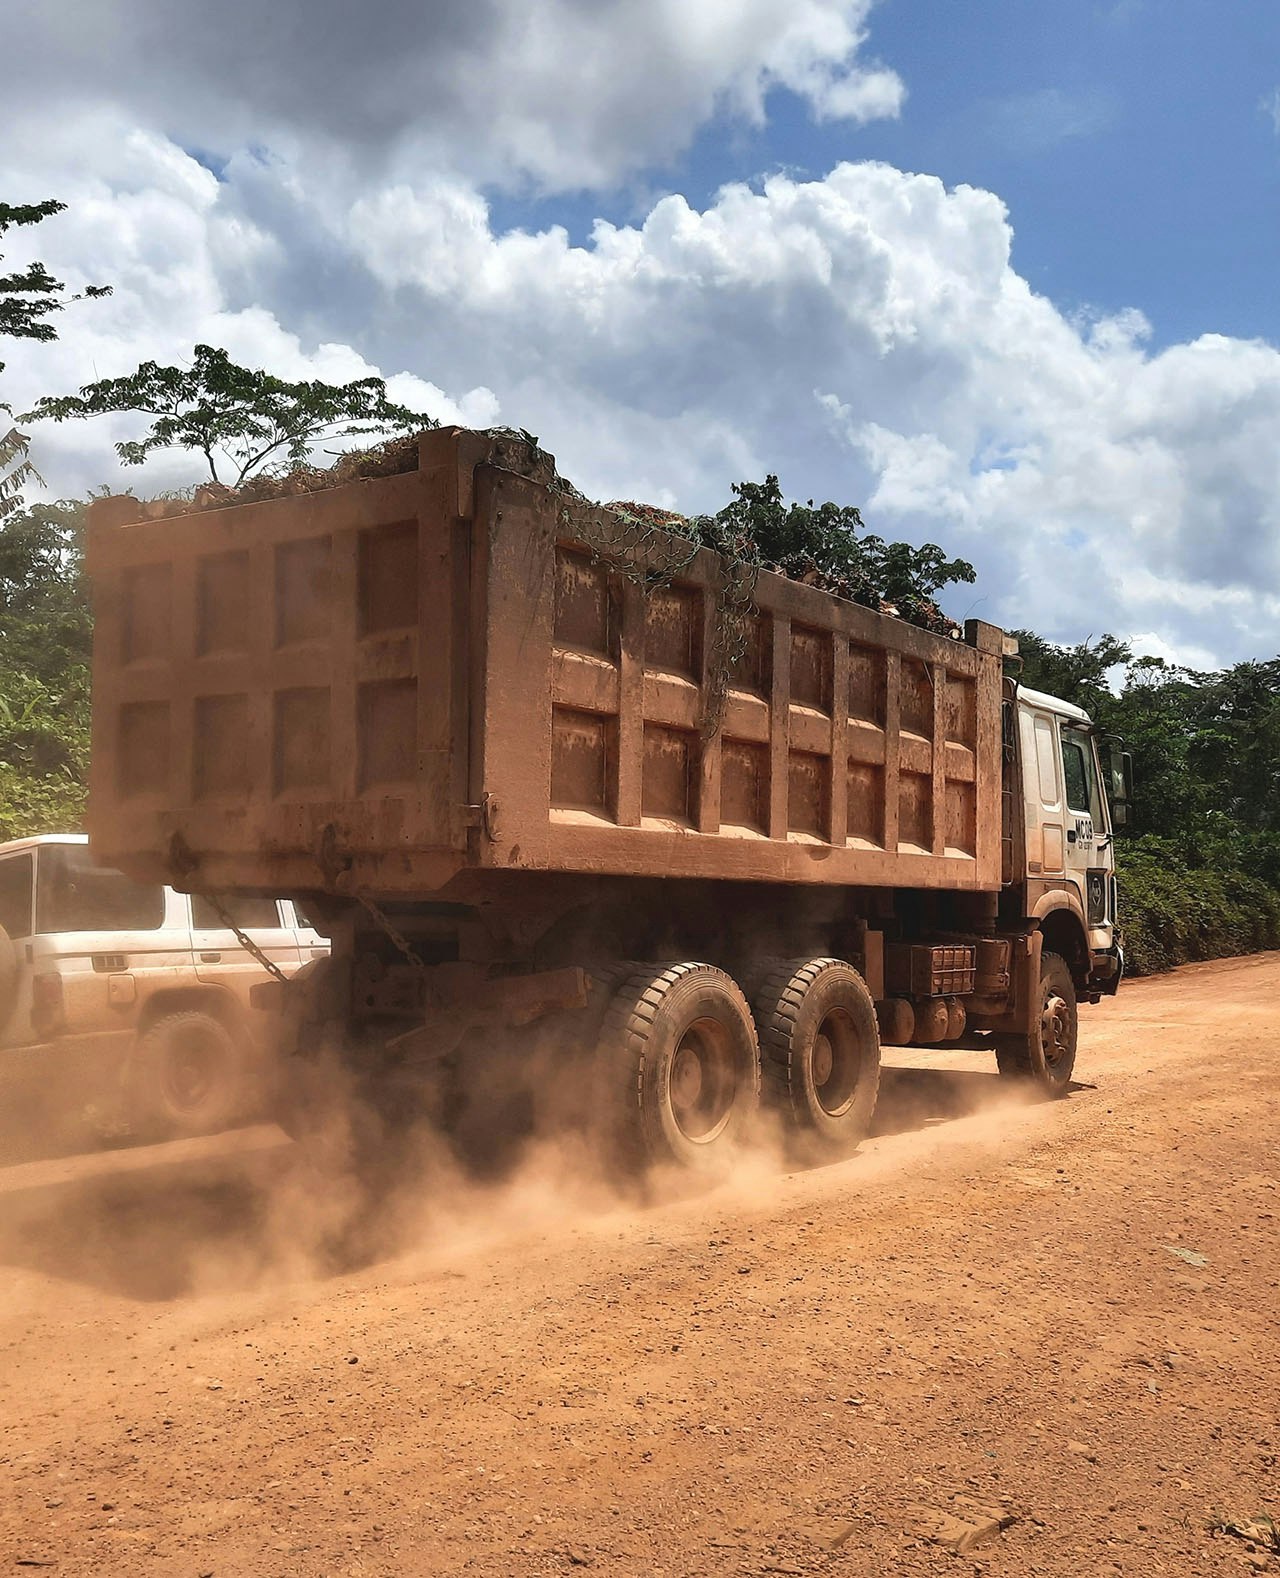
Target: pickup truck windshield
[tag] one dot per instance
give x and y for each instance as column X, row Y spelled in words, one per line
column 75, row 894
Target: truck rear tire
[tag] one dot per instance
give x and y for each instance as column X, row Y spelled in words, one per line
column 1047, row 1056
column 681, row 1041
column 819, row 1055
column 188, row 1076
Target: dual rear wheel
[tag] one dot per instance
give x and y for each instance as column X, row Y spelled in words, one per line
column 685, row 1055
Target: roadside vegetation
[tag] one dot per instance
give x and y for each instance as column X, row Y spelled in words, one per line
column 1199, row 865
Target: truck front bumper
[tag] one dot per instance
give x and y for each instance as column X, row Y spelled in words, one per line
column 1107, row 971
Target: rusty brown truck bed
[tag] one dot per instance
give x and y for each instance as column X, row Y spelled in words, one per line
column 441, row 670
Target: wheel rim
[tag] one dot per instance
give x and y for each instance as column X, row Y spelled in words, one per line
column 703, row 1081
column 1054, row 1033
column 191, row 1070
column 836, row 1063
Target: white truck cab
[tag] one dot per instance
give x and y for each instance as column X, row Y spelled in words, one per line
column 134, row 999
column 1068, row 835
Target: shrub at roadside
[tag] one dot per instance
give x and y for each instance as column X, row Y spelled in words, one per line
column 1173, row 912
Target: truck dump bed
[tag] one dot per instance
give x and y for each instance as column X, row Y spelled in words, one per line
column 383, row 685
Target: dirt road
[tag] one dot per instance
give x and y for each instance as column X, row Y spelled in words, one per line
column 1068, row 1313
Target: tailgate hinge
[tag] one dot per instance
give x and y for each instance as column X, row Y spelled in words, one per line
column 485, row 815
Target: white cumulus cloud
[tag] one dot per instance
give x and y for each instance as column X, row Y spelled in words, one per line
column 865, row 334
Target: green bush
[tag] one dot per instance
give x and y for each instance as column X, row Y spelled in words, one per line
column 29, row 804
column 1174, row 912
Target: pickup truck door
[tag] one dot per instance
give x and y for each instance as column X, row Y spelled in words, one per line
column 220, row 957
column 311, row 943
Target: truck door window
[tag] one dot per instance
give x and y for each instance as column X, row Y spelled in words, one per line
column 1073, row 774
column 248, row 912
column 74, row 893
column 15, row 895
column 1045, row 764
column 1078, row 774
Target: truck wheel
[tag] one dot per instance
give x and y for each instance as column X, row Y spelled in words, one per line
column 189, row 1076
column 819, row 1054
column 682, row 1040
column 1048, row 1055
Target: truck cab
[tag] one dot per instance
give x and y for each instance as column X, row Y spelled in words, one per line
column 1066, row 837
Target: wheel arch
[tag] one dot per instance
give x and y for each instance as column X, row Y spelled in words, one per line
column 216, row 1001
column 1063, row 930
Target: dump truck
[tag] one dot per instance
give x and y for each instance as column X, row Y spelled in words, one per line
column 544, row 770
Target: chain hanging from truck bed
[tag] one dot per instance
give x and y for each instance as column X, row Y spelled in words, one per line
column 394, row 935
column 333, row 864
column 244, row 939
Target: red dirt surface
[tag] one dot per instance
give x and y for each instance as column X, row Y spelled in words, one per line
column 985, row 1302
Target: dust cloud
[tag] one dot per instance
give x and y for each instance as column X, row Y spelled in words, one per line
column 251, row 1211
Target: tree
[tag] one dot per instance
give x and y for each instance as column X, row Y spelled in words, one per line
column 1077, row 674
column 45, row 639
column 27, row 298
column 820, row 544
column 244, row 415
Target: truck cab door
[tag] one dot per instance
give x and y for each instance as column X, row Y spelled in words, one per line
column 1089, row 855
column 1046, row 826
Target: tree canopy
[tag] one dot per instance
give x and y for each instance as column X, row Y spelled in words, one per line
column 30, row 295
column 1206, row 745
column 27, row 299
column 45, row 637
column 250, row 418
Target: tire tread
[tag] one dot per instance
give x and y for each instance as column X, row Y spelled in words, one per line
column 779, row 1000
column 626, row 1028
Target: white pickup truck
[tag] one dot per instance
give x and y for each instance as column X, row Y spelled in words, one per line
column 129, row 1001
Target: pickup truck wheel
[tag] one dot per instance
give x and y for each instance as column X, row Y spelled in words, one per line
column 819, row 1055
column 1047, row 1056
column 189, row 1076
column 682, row 1041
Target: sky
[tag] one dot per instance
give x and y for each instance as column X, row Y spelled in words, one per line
column 1003, row 275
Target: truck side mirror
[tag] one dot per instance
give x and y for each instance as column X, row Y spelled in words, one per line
column 1119, row 784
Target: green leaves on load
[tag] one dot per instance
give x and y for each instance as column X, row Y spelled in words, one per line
column 247, row 418
column 826, row 545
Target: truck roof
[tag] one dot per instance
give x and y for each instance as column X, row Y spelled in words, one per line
column 1064, row 709
column 43, row 838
